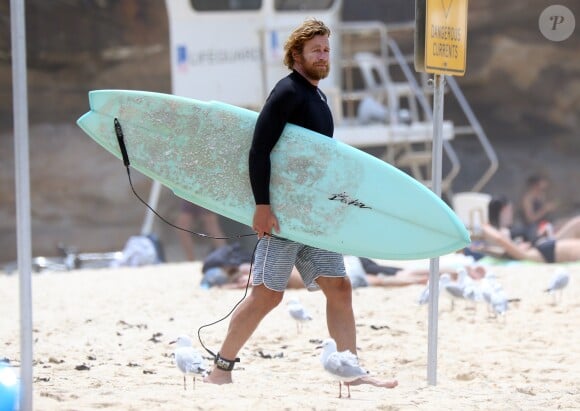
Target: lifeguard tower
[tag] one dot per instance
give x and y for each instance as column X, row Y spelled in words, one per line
column 232, row 51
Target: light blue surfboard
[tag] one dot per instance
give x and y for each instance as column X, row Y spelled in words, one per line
column 324, row 193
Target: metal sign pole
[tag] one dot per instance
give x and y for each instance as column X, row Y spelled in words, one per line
column 433, row 19
column 22, row 173
column 436, row 167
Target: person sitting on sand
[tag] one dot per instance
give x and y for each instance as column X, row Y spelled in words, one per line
column 535, row 208
column 563, row 246
column 500, row 214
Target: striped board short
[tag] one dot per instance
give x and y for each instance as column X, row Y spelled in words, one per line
column 275, row 258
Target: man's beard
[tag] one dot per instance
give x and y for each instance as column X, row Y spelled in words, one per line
column 315, row 72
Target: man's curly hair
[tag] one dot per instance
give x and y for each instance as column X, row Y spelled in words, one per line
column 306, row 31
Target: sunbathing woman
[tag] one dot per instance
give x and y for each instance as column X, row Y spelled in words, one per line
column 564, row 246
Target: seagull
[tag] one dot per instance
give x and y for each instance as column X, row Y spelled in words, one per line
column 462, row 289
column 342, row 365
column 559, row 281
column 454, row 289
column 444, row 279
column 499, row 300
column 298, row 312
column 471, row 291
column 187, row 359
column 488, row 285
column 424, row 296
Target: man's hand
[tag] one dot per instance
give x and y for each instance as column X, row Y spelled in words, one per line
column 264, row 220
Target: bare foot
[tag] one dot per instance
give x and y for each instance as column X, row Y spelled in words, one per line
column 218, row 377
column 375, row 382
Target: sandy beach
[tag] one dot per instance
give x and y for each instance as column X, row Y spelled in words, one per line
column 101, row 341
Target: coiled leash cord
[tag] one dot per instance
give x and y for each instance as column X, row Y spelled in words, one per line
column 220, row 362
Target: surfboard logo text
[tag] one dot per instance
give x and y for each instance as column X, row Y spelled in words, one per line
column 348, row 200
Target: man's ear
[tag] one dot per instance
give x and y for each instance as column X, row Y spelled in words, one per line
column 297, row 56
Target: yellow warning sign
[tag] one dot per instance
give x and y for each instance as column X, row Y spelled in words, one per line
column 446, row 37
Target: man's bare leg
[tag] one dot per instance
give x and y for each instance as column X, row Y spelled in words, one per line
column 339, row 314
column 244, row 322
column 341, row 325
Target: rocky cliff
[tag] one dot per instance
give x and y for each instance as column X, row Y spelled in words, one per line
column 524, row 89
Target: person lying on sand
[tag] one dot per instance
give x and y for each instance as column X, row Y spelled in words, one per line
column 229, row 267
column 561, row 246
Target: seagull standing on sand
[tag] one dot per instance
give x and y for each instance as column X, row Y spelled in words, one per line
column 298, row 312
column 187, row 359
column 444, row 279
column 559, row 281
column 343, row 365
column 454, row 290
column 463, row 289
column 499, row 301
column 488, row 285
column 471, row 291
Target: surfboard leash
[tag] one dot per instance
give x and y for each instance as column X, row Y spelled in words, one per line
column 219, row 361
column 215, row 356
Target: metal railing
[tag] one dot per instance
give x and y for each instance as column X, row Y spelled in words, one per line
column 391, row 54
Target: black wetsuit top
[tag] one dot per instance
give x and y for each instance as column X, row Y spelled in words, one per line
column 293, row 100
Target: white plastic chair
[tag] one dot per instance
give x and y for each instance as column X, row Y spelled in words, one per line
column 377, row 79
column 471, row 208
